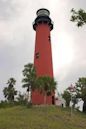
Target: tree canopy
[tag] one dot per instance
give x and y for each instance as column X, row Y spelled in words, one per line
column 29, row 79
column 29, row 74
column 46, row 85
column 67, row 96
column 79, row 17
column 81, row 90
column 10, row 92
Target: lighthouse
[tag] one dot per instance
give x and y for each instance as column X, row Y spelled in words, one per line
column 43, row 53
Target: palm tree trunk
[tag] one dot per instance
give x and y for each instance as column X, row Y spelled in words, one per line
column 30, row 95
column 45, row 99
column 84, row 106
column 29, row 98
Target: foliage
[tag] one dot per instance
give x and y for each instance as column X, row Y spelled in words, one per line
column 21, row 99
column 79, row 17
column 46, row 85
column 81, row 90
column 74, row 100
column 4, row 104
column 29, row 80
column 67, row 96
column 10, row 92
column 29, row 74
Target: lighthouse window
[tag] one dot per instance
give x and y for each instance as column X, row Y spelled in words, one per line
column 37, row 55
column 49, row 38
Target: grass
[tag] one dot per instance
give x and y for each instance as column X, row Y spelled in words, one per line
column 49, row 117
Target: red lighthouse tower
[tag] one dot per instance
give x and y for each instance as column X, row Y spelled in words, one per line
column 43, row 54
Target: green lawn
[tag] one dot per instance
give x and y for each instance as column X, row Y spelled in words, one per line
column 48, row 117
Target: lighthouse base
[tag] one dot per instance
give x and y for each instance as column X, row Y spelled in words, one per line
column 39, row 98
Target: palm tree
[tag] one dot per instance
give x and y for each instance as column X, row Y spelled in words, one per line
column 29, row 79
column 46, row 85
column 10, row 92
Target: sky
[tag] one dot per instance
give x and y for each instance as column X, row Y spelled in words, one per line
column 17, row 40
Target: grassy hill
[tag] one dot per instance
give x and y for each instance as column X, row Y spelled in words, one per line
column 49, row 117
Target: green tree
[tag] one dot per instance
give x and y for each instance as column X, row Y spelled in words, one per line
column 67, row 96
column 10, row 92
column 79, row 17
column 46, row 86
column 29, row 80
column 21, row 99
column 81, row 91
